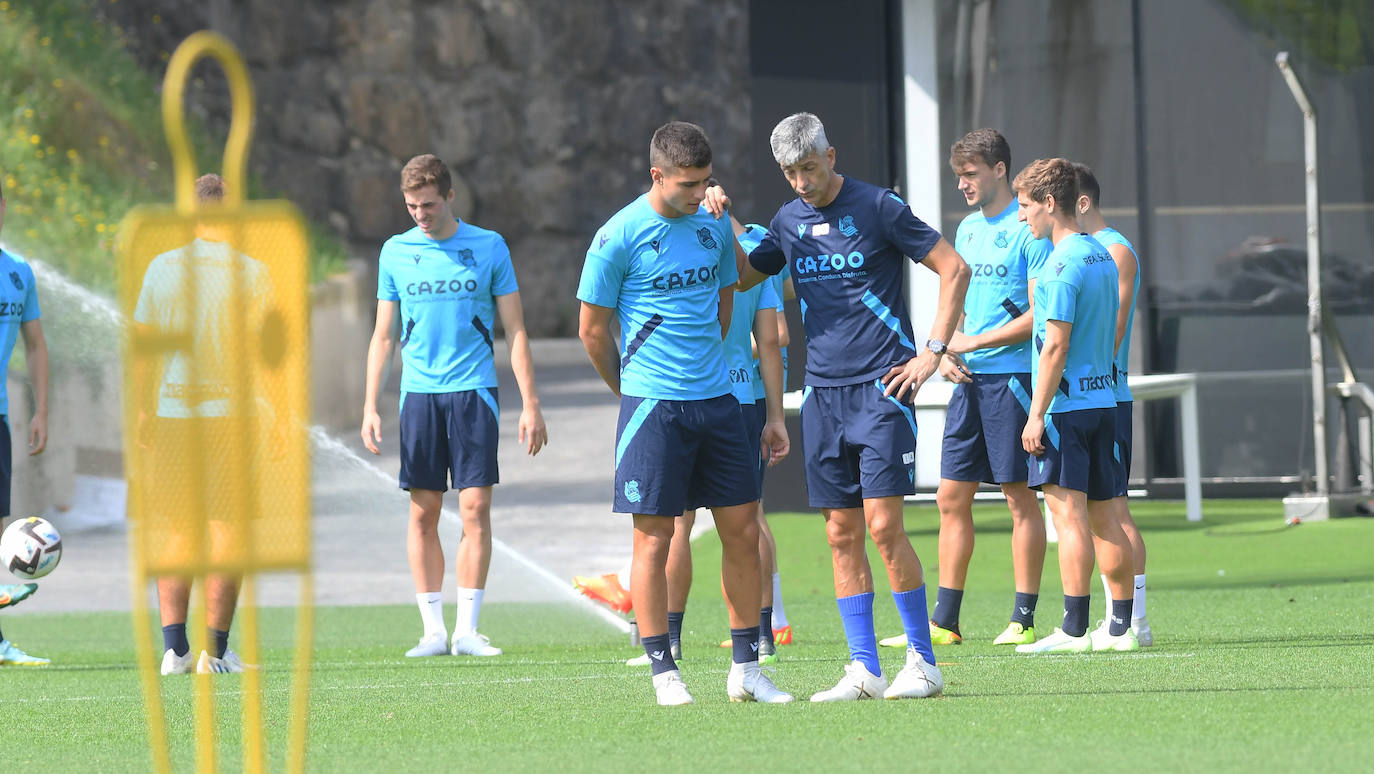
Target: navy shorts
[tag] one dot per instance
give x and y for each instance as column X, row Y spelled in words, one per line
column 858, row 444
column 449, row 433
column 675, row 455
column 1124, row 435
column 6, row 467
column 1078, row 453
column 983, row 430
column 755, row 416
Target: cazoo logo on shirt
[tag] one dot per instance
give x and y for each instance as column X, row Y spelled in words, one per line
column 827, row 264
column 675, row 281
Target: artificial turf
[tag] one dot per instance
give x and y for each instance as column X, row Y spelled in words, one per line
column 1264, row 661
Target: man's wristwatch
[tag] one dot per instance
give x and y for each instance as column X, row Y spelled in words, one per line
column 936, row 346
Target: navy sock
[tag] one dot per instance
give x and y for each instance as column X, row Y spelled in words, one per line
column 1121, row 617
column 675, row 627
column 1023, row 612
column 1075, row 615
column 660, row 658
column 174, row 639
column 947, row 603
column 219, row 641
column 766, row 624
column 745, row 644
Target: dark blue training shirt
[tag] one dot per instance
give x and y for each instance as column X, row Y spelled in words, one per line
column 847, row 260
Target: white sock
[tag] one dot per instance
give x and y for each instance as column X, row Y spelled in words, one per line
column 1106, row 599
column 469, row 607
column 431, row 604
column 779, row 614
column 623, row 574
column 1138, row 607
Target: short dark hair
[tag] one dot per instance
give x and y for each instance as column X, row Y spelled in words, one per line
column 426, row 169
column 1087, row 182
column 210, row 188
column 1044, row 178
column 986, row 145
column 681, row 145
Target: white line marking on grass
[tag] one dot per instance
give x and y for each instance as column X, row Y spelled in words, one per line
column 324, row 440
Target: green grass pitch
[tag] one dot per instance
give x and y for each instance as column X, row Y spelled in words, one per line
column 1264, row 661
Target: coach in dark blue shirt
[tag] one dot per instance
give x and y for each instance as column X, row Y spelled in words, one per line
column 844, row 242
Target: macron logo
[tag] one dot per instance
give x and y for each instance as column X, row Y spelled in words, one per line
column 801, row 230
column 1024, row 610
column 658, row 655
column 754, row 646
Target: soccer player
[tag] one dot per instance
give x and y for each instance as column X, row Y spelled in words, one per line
column 982, row 441
column 184, row 399
column 20, row 315
column 1071, row 424
column 667, row 271
column 1128, row 285
column 844, row 241
column 752, row 318
column 439, row 287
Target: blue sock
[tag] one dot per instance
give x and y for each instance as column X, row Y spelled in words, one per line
column 219, row 642
column 660, row 658
column 1121, row 616
column 856, row 613
column 1075, row 615
column 766, row 624
column 174, row 639
column 675, row 626
column 1023, row 611
column 911, row 606
column 946, row 613
column 745, row 643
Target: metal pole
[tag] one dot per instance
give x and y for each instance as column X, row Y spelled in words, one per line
column 1314, row 283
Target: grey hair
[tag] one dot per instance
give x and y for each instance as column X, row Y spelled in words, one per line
column 796, row 137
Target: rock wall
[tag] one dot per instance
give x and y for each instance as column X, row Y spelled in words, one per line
column 542, row 108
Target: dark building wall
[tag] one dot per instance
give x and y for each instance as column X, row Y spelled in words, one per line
column 542, row 108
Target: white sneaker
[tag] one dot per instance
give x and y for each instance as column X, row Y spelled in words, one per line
column 1143, row 635
column 670, row 689
column 747, row 682
column 172, row 664
column 432, row 644
column 1123, row 642
column 228, row 663
column 919, row 679
column 474, row 644
column 1058, row 642
column 1100, row 635
column 857, row 683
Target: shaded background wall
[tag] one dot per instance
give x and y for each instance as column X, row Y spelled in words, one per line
column 542, row 109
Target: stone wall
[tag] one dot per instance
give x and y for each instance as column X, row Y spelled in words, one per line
column 542, row 108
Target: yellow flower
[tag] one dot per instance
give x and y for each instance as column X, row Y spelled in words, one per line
column 28, row 112
column 4, row 6
column 35, row 139
column 45, row 41
column 71, row 154
column 104, row 141
column 56, row 82
column 100, row 228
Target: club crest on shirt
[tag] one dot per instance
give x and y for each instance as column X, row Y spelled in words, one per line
column 707, row 240
column 632, row 491
column 846, row 226
column 18, row 283
column 466, row 258
column 1001, row 239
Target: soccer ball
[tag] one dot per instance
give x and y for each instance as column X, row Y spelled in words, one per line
column 30, row 548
